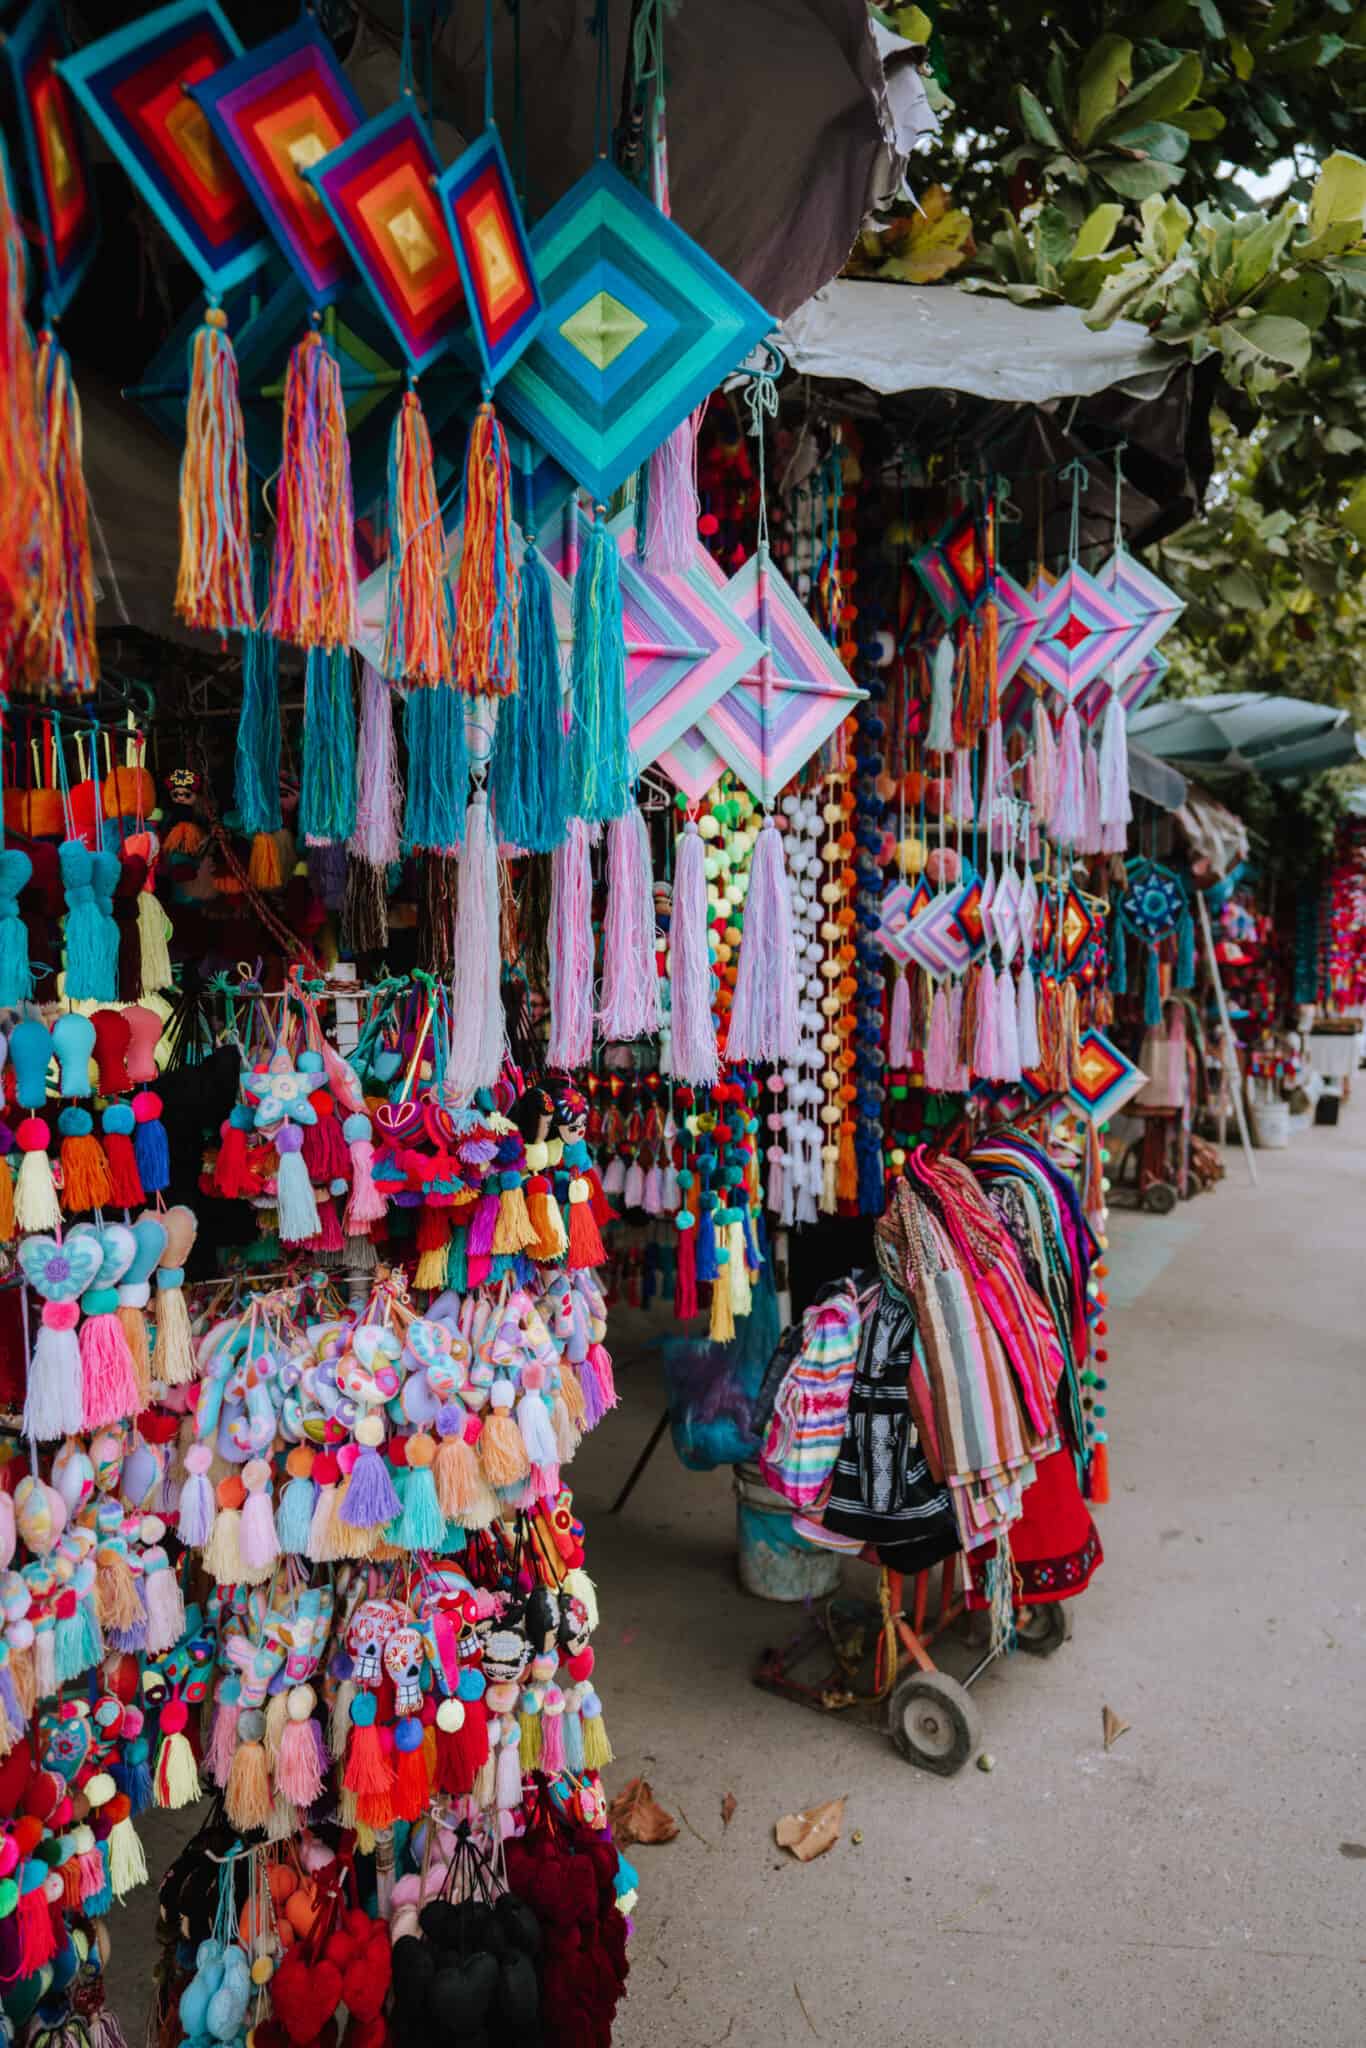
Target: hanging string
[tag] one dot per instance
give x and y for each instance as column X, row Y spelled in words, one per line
column 761, row 396
column 599, row 28
column 1081, row 479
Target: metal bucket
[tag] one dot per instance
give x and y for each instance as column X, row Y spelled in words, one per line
column 773, row 1561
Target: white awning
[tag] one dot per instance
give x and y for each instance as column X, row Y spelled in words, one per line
column 898, row 337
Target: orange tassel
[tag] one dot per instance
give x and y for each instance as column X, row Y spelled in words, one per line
column 313, row 587
column 1100, row 1474
column 846, row 1167
column 86, row 1180
column 8, row 1226
column 417, row 626
column 213, row 588
column 486, row 607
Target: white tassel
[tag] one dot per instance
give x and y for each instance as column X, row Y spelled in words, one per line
column 939, row 738
column 477, row 1027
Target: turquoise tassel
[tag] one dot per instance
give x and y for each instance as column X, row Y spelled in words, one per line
column 457, row 1278
column 438, row 769
column 16, row 976
column 600, row 777
column 257, row 764
column 422, row 1525
column 1119, row 966
column 1152, row 991
column 327, row 797
column 92, row 939
column 1185, row 950
column 294, row 1515
column 528, row 749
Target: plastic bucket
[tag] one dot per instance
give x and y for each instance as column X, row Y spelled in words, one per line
column 773, row 1561
column 1273, row 1125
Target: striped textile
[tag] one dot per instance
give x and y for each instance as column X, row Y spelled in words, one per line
column 803, row 1437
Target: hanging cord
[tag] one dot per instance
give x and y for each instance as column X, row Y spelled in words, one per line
column 761, row 397
column 600, row 29
column 1081, row 480
column 1119, row 496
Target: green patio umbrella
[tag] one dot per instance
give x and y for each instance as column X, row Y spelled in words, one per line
column 1283, row 739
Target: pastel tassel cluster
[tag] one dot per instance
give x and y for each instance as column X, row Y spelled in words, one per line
column 213, row 587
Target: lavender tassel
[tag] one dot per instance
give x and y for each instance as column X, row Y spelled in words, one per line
column 694, row 1029
column 763, row 1018
column 630, row 979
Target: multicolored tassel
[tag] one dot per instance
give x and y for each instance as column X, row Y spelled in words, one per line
column 418, row 646
column 213, row 587
column 60, row 655
column 313, row 587
column 486, row 604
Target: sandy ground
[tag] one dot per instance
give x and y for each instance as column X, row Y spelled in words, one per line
column 1202, row 1883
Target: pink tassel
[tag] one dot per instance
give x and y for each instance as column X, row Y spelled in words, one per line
column 1091, row 835
column 379, row 795
column 1043, row 766
column 693, row 1028
column 899, row 1031
column 341, row 1080
column 259, row 1543
column 1007, row 1029
column 672, row 508
column 614, row 1175
column 110, row 1387
column 1069, row 808
column 1027, row 1015
column 222, row 1740
column 552, row 1743
column 630, row 977
column 297, row 1776
column 571, row 951
column 995, row 771
column 633, row 1189
column 652, row 1198
column 1116, row 808
column 763, row 1017
column 938, row 1057
column 598, row 1384
column 475, row 1054
column 962, row 785
column 984, row 1034
column 367, row 1205
column 957, row 1074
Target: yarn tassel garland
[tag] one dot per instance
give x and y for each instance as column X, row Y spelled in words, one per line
column 630, row 976
column 213, row 586
column 529, row 744
column 486, row 602
column 313, row 584
column 600, row 774
column 693, row 1028
column 763, row 1017
column 327, row 794
column 418, row 645
column 477, row 1040
column 571, row 950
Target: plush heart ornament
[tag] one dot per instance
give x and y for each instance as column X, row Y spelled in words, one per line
column 305, row 1994
column 62, row 1271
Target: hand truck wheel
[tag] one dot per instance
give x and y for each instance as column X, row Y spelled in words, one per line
column 1160, row 1198
column 933, row 1722
column 1044, row 1629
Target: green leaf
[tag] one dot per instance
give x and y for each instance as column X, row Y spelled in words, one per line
column 1034, row 120
column 1256, row 255
column 1354, row 513
column 1307, row 297
column 1162, row 93
column 1166, row 224
column 1243, row 59
column 1052, row 241
column 1306, row 53
column 1259, row 351
column 1160, row 139
column 1342, row 441
column 1106, row 70
column 1339, row 192
column 1093, row 236
column 1238, row 587
column 1202, row 124
column 1211, row 20
column 1138, row 181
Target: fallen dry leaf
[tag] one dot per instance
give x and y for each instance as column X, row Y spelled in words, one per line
column 637, row 1816
column 811, row 1832
column 1112, row 1726
column 727, row 1809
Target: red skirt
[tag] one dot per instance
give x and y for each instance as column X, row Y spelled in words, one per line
column 1055, row 1545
